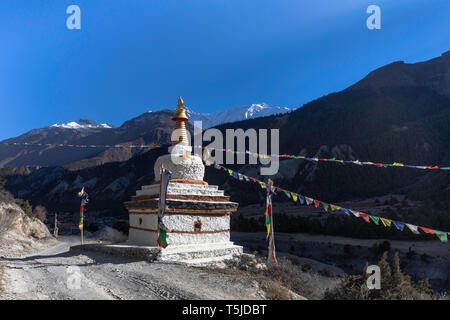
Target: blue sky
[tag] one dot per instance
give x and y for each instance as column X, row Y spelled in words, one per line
column 131, row 56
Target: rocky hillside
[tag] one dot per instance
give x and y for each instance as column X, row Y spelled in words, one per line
column 19, row 232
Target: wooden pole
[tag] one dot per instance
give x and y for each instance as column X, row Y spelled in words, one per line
column 55, row 231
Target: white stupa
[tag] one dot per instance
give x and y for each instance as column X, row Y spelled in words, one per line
column 197, row 214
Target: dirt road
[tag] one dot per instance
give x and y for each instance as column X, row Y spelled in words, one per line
column 58, row 273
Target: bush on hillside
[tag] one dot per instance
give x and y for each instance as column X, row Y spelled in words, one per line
column 395, row 285
column 40, row 212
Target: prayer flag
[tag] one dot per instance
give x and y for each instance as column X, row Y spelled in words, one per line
column 386, row 222
column 269, row 223
column 375, row 219
column 166, row 175
column 301, row 199
column 399, row 225
column 365, row 216
column 426, row 230
column 334, row 207
column 294, row 196
column 413, row 228
column 316, row 203
column 355, row 213
column 441, row 235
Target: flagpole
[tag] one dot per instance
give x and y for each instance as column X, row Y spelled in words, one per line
column 81, row 225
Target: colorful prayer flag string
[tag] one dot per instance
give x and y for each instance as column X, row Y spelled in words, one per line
column 356, row 162
column 143, row 146
column 399, row 225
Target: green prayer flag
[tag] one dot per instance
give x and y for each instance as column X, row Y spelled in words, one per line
column 287, row 193
column 441, row 235
column 325, row 206
column 445, row 168
column 375, row 219
column 162, row 238
column 267, row 220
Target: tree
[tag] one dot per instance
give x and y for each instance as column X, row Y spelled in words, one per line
column 40, row 212
column 2, row 182
column 394, row 285
column 26, row 207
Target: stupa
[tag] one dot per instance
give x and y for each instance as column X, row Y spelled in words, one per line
column 197, row 215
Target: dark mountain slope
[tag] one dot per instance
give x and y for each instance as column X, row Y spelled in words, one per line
column 433, row 74
column 387, row 123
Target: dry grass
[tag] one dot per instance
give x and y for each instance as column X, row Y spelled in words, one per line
column 276, row 279
column 276, row 291
column 2, row 279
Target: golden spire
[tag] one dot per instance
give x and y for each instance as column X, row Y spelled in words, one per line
column 180, row 102
column 180, row 118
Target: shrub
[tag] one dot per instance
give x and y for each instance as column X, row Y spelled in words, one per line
column 275, row 291
column 40, row 212
column 26, row 207
column 394, row 285
column 2, row 278
column 2, row 182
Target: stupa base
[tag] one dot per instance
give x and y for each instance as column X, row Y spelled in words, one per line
column 192, row 255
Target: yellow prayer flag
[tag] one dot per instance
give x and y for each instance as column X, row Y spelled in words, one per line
column 263, row 185
column 230, row 172
column 294, row 196
column 334, row 207
column 396, row 164
column 268, row 230
column 386, row 222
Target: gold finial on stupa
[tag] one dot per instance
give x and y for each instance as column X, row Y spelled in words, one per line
column 180, row 118
column 180, row 102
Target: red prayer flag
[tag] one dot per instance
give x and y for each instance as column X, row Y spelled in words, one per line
column 426, row 230
column 316, row 203
column 378, row 164
column 365, row 216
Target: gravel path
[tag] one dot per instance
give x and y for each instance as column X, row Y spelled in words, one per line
column 57, row 273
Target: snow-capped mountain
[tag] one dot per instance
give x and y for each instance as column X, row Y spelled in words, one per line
column 152, row 126
column 82, row 124
column 235, row 114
